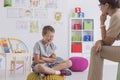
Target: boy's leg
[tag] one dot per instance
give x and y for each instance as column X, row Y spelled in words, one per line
column 63, row 65
column 43, row 69
column 96, row 60
column 39, row 68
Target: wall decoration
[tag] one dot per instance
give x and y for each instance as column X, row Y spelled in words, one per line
column 13, row 13
column 19, row 3
column 34, row 3
column 42, row 3
column 51, row 3
column 40, row 13
column 7, row 3
column 34, row 27
column 58, row 16
column 26, row 13
column 22, row 26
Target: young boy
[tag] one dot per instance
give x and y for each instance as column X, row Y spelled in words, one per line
column 44, row 58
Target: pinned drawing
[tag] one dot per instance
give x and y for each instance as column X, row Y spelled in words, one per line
column 19, row 3
column 34, row 3
column 51, row 4
column 58, row 16
column 7, row 3
column 34, row 27
column 22, row 26
column 40, row 13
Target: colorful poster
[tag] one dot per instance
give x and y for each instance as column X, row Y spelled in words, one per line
column 34, row 27
column 58, row 16
column 40, row 13
column 7, row 3
column 26, row 13
column 22, row 26
column 34, row 3
column 51, row 3
column 19, row 3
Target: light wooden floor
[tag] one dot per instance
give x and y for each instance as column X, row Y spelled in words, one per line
column 110, row 72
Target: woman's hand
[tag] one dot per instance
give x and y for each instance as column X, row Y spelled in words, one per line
column 103, row 18
column 98, row 46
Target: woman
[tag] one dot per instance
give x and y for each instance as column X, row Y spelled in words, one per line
column 103, row 48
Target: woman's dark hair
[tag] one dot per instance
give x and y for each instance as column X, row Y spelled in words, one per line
column 113, row 3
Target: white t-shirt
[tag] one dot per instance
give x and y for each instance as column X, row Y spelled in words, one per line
column 41, row 49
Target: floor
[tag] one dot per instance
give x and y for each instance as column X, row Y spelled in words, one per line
column 110, row 72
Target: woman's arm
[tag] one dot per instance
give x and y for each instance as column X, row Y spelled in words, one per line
column 106, row 40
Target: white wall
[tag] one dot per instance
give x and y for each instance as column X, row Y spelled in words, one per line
column 90, row 8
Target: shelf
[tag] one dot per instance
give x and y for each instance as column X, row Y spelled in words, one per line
column 81, row 36
column 76, row 30
column 76, row 41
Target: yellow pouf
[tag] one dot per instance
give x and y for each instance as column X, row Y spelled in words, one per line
column 54, row 77
column 33, row 76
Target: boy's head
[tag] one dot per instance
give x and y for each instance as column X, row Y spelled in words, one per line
column 48, row 33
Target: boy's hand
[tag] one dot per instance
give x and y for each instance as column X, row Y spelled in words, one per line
column 51, row 59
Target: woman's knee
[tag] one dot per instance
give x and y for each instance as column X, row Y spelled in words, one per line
column 93, row 50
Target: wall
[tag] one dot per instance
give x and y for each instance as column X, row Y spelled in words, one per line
column 90, row 8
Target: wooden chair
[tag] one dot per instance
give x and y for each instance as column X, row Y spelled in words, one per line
column 14, row 63
column 8, row 47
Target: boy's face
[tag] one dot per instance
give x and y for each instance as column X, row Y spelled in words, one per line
column 48, row 37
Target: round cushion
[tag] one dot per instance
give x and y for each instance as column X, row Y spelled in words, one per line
column 54, row 77
column 79, row 64
column 33, row 76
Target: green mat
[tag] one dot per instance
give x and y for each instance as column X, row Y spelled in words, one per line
column 118, row 72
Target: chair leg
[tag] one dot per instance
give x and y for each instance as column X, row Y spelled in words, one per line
column 23, row 68
column 11, row 68
column 14, row 66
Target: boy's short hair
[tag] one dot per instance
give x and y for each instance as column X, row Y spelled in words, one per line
column 47, row 28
